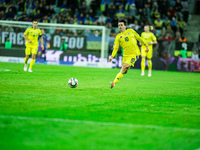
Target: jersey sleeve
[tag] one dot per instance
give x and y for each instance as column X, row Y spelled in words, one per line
column 40, row 33
column 153, row 37
column 137, row 36
column 115, row 46
column 27, row 31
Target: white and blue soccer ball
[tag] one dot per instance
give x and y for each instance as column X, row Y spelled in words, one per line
column 73, row 82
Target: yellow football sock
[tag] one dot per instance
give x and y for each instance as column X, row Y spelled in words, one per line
column 118, row 77
column 143, row 64
column 26, row 60
column 32, row 63
column 149, row 64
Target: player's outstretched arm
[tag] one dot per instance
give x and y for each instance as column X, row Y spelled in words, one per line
column 115, row 48
column 42, row 46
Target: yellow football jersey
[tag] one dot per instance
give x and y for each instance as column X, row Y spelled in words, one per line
column 128, row 42
column 148, row 37
column 32, row 34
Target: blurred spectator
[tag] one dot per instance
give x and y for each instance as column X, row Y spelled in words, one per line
column 171, row 12
column 174, row 24
column 83, row 8
column 115, row 22
column 38, row 15
column 31, row 17
column 24, row 15
column 134, row 25
column 20, row 12
column 88, row 20
column 45, row 19
column 162, row 34
column 53, row 20
column 75, row 20
column 166, row 22
column 14, row 9
column 140, row 29
column 81, row 17
column 87, row 32
column 52, row 11
column 2, row 7
column 195, row 55
column 147, row 12
column 47, row 11
column 150, row 3
column 183, row 39
column 42, row 10
column 131, row 20
column 9, row 29
column 158, row 23
column 69, row 10
column 111, row 10
column 163, row 7
column 102, row 20
column 64, row 6
column 76, row 12
column 177, row 36
column 21, row 5
column 120, row 12
column 185, row 15
column 167, row 37
column 109, row 20
column 93, row 5
column 132, row 10
column 178, row 8
column 182, row 25
column 10, row 15
column 170, row 31
column 112, row 30
column 92, row 14
column 2, row 15
column 20, row 18
column 140, row 15
column 154, row 11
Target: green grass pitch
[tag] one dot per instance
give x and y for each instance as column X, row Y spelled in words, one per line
column 39, row 111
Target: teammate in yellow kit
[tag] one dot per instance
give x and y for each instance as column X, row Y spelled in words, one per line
column 31, row 35
column 150, row 39
column 127, row 40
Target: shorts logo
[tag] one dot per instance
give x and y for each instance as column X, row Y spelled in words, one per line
column 132, row 60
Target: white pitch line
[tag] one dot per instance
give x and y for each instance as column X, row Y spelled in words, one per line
column 101, row 123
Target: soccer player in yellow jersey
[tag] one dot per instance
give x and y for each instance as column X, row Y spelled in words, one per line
column 150, row 39
column 31, row 35
column 127, row 40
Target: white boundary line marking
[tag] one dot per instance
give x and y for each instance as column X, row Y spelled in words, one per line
column 101, row 123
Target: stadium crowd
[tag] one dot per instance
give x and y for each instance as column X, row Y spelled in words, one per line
column 169, row 17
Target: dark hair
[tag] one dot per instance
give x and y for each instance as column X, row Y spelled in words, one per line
column 35, row 20
column 123, row 20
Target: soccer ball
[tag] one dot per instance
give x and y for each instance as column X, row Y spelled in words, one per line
column 73, row 82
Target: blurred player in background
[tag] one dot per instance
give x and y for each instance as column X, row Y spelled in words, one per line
column 46, row 45
column 31, row 35
column 127, row 40
column 150, row 39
